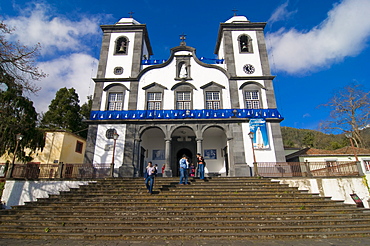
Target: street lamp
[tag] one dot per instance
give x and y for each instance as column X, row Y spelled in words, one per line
column 19, row 137
column 349, row 135
column 115, row 137
column 251, row 135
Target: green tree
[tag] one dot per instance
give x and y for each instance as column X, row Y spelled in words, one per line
column 18, row 61
column 85, row 114
column 18, row 116
column 350, row 111
column 64, row 112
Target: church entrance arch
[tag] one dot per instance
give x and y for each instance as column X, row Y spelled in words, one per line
column 179, row 155
column 215, row 151
column 152, row 149
column 183, row 142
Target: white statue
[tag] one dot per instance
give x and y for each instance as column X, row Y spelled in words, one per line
column 183, row 73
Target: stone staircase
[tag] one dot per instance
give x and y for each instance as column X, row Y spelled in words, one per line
column 224, row 208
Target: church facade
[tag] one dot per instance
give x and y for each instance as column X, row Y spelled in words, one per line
column 160, row 110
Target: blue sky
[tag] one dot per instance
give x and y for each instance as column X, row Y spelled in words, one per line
column 316, row 47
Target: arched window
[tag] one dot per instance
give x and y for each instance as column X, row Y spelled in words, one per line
column 245, row 44
column 115, row 97
column 212, row 95
column 252, row 95
column 154, row 96
column 121, row 46
column 183, row 95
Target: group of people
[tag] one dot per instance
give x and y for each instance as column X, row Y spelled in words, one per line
column 184, row 168
column 151, row 171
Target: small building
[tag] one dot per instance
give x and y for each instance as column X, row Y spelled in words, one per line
column 60, row 146
column 332, row 157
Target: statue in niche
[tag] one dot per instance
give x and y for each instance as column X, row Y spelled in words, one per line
column 183, row 71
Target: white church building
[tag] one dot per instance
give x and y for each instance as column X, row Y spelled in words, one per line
column 162, row 109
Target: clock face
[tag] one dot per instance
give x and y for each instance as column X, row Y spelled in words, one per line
column 249, row 69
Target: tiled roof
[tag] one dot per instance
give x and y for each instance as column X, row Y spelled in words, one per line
column 342, row 151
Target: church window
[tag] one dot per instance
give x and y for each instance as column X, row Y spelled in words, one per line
column 252, row 100
column 154, row 101
column 115, row 101
column 118, row 70
column 121, row 46
column 245, row 44
column 213, row 100
column 183, row 100
column 110, row 132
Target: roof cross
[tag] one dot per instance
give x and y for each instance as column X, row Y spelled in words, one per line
column 182, row 37
column 234, row 10
column 131, row 13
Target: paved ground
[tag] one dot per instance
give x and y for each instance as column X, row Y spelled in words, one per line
column 304, row 242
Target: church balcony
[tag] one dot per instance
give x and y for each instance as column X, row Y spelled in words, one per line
column 187, row 114
column 202, row 59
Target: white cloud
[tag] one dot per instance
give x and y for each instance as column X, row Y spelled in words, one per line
column 343, row 33
column 64, row 53
column 281, row 13
column 37, row 25
column 74, row 71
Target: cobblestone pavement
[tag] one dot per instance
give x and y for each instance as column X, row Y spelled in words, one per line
column 271, row 242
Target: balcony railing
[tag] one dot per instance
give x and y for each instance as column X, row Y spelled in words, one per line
column 103, row 170
column 61, row 171
column 307, row 169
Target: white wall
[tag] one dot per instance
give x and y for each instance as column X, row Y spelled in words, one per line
column 336, row 188
column 103, row 156
column 19, row 192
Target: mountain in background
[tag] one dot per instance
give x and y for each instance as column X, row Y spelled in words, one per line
column 302, row 138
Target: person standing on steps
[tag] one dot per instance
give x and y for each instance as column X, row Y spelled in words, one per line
column 149, row 177
column 184, row 164
column 201, row 164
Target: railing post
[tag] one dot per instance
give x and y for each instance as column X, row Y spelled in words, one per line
column 307, row 164
column 60, row 170
column 359, row 168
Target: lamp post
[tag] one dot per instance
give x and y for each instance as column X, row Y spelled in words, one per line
column 349, row 135
column 19, row 137
column 251, row 135
column 115, row 137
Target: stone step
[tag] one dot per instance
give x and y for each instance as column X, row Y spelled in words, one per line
column 189, row 217
column 175, row 223
column 228, row 208
column 153, row 229
column 184, row 235
column 217, row 211
column 198, row 203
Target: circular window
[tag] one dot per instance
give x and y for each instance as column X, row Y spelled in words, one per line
column 109, row 133
column 118, row 70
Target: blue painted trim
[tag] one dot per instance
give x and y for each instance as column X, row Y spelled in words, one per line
column 185, row 114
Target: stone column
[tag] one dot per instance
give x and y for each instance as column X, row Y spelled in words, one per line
column 199, row 145
column 168, row 170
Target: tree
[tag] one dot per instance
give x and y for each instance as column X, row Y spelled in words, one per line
column 18, row 61
column 85, row 114
column 18, row 116
column 64, row 112
column 350, row 112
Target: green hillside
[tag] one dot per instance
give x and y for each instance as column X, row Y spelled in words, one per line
column 301, row 138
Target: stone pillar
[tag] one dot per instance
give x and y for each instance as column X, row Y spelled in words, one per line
column 168, row 170
column 199, row 145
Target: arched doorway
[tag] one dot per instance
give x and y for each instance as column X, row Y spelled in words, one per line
column 152, row 149
column 183, row 142
column 179, row 155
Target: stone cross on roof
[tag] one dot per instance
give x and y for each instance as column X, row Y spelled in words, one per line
column 183, row 37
